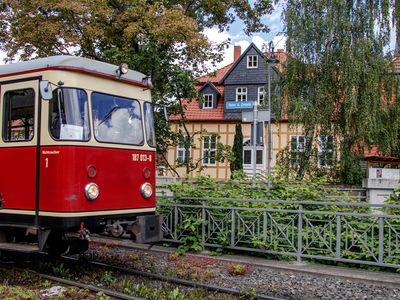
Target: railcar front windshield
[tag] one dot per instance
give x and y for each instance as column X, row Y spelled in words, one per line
column 117, row 120
column 69, row 117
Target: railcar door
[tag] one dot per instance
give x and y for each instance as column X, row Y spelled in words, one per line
column 19, row 123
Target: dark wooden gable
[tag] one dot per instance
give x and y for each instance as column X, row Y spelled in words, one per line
column 239, row 73
column 209, row 88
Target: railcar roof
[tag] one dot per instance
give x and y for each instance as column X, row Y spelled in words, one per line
column 69, row 62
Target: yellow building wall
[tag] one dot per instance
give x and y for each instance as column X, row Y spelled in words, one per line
column 281, row 133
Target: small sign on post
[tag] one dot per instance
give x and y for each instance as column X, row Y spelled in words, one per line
column 262, row 116
column 239, row 104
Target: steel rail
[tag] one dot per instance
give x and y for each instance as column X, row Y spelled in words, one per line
column 179, row 281
column 74, row 283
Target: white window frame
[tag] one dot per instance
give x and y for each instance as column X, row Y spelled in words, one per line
column 209, row 152
column 208, row 101
column 241, row 94
column 300, row 147
column 323, row 150
column 258, row 149
column 261, row 95
column 181, row 154
column 252, row 61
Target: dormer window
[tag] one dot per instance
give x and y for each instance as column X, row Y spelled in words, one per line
column 252, row 61
column 208, row 101
column 241, row 94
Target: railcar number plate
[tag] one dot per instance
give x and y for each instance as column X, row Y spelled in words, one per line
column 141, row 157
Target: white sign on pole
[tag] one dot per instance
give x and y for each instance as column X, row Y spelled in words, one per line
column 262, row 116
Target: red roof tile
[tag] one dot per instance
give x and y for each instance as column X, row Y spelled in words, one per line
column 216, row 76
column 371, row 152
column 195, row 113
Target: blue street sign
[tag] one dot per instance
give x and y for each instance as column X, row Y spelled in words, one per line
column 238, row 104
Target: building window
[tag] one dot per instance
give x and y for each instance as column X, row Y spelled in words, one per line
column 325, row 151
column 297, row 145
column 248, row 156
column 261, row 95
column 252, row 61
column 18, row 118
column 182, row 152
column 208, row 101
column 209, row 149
column 241, row 94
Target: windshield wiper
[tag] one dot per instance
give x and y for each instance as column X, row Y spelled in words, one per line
column 108, row 115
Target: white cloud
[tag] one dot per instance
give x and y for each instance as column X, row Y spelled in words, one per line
column 279, row 42
column 216, row 36
column 2, row 57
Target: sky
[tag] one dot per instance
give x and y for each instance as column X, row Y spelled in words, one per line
column 238, row 37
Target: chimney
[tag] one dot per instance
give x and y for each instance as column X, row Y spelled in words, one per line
column 237, row 51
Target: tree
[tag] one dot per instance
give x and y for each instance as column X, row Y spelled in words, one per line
column 236, row 163
column 162, row 38
column 336, row 79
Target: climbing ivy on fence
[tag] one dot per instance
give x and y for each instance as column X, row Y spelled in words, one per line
column 359, row 235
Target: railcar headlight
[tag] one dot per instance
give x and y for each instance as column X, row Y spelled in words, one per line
column 92, row 191
column 147, row 190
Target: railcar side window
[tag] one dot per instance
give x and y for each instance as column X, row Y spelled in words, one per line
column 149, row 122
column 117, row 119
column 18, row 119
column 69, row 115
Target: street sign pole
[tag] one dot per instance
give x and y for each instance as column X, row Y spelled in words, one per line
column 255, row 113
column 269, row 125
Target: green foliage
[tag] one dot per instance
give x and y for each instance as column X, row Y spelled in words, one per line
column 238, row 269
column 350, row 171
column 192, row 242
column 318, row 229
column 337, row 79
column 102, row 296
column 16, row 292
column 204, row 186
column 176, row 294
column 236, row 164
column 61, row 271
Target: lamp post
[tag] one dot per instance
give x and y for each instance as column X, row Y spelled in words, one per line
column 271, row 59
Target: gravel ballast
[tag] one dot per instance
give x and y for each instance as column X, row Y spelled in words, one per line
column 240, row 274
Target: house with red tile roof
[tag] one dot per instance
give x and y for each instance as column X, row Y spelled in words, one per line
column 244, row 80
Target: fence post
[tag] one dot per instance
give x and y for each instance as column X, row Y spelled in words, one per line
column 176, row 222
column 203, row 225
column 381, row 238
column 299, row 233
column 233, row 228
column 265, row 220
column 338, row 235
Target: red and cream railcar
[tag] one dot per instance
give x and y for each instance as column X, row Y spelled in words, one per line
column 77, row 153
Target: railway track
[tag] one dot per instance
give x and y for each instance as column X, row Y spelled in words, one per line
column 74, row 262
column 282, row 279
column 177, row 281
column 68, row 282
